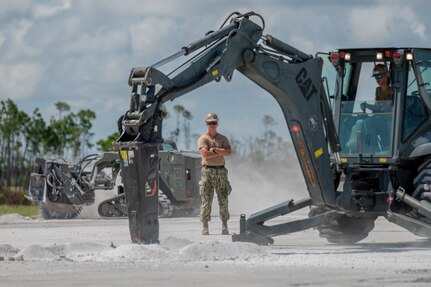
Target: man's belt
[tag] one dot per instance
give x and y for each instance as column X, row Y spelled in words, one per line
column 214, row 166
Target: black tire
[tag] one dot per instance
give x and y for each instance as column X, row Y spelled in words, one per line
column 51, row 210
column 344, row 230
column 422, row 185
column 422, row 181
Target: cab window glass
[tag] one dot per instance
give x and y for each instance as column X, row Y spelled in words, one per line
column 365, row 123
column 423, row 64
column 329, row 75
column 414, row 108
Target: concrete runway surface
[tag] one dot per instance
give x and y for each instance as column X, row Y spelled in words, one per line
column 98, row 252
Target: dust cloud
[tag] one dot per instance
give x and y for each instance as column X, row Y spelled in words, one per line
column 256, row 186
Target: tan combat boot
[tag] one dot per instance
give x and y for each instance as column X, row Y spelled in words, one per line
column 205, row 229
column 224, row 229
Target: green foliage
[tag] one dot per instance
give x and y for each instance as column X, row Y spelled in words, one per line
column 106, row 145
column 23, row 210
column 70, row 132
column 183, row 123
column 268, row 147
column 61, row 107
column 13, row 197
column 24, row 137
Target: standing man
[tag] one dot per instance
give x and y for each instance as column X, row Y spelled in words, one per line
column 213, row 148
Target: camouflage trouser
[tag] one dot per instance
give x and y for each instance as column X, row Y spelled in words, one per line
column 214, row 180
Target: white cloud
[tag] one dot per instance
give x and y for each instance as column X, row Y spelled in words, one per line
column 96, row 41
column 369, row 24
column 86, row 49
column 50, row 8
column 150, row 35
column 12, row 7
column 13, row 38
column 2, row 40
column 384, row 24
column 415, row 24
column 19, row 81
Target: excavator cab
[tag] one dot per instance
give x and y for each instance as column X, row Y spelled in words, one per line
column 364, row 125
column 384, row 162
column 383, row 166
column 372, row 130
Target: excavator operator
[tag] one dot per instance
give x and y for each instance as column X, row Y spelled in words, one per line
column 384, row 91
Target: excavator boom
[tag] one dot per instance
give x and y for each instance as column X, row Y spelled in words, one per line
column 292, row 77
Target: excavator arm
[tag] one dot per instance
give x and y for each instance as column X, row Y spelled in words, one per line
column 292, row 77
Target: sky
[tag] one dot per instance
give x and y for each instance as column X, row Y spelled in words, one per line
column 81, row 52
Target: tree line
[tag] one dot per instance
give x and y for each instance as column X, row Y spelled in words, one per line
column 68, row 135
column 23, row 137
column 268, row 146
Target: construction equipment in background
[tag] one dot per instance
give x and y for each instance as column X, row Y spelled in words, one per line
column 63, row 188
column 178, row 195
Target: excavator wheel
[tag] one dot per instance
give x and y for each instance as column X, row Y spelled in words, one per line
column 344, row 230
column 422, row 182
column 422, row 185
column 52, row 210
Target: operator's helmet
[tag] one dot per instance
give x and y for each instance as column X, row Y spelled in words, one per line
column 211, row 117
column 380, row 69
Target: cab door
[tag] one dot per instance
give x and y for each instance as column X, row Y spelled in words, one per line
column 422, row 67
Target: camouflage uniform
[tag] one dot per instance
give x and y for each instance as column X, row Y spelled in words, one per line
column 214, row 147
column 214, row 179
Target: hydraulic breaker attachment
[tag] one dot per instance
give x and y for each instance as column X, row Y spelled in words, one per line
column 140, row 167
column 255, row 231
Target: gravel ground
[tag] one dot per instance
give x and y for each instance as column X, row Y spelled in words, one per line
column 97, row 252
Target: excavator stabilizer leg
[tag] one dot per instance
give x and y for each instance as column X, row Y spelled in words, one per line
column 414, row 225
column 256, row 232
column 253, row 237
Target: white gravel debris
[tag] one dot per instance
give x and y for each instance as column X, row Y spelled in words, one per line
column 172, row 249
column 36, row 252
column 100, row 251
column 13, row 218
column 131, row 253
column 219, row 250
column 7, row 250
